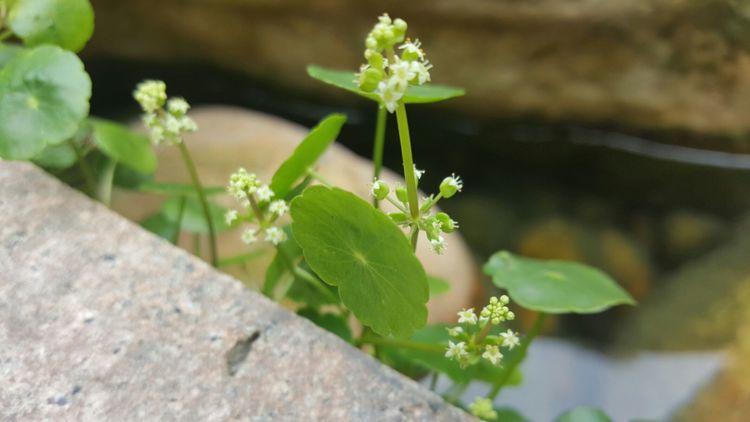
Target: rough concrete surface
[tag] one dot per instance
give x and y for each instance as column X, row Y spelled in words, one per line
column 100, row 320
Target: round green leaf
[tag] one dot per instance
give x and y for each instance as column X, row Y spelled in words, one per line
column 44, row 95
column 555, row 287
column 583, row 414
column 306, row 154
column 124, row 146
column 7, row 52
column 59, row 157
column 350, row 244
column 67, row 23
column 414, row 94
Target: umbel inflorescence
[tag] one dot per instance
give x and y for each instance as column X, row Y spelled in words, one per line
column 260, row 208
column 386, row 72
column 165, row 124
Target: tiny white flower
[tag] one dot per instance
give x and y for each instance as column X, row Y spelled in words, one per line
column 250, row 235
column 413, row 47
column 389, row 96
column 278, row 207
column 275, row 235
column 172, row 125
column 157, row 135
column 230, row 216
column 401, row 71
column 455, row 331
column 264, row 193
column 422, row 71
column 510, row 339
column 438, row 245
column 467, row 316
column 151, row 95
column 418, row 173
column 456, row 351
column 187, row 124
column 492, row 354
column 178, row 106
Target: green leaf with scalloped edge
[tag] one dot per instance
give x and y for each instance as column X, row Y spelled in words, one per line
column 66, row 23
column 123, row 145
column 414, row 94
column 350, row 244
column 44, row 96
column 306, row 154
column 555, row 287
column 583, row 414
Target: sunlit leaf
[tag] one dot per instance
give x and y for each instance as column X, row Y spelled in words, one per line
column 555, row 286
column 66, row 23
column 350, row 244
column 123, row 145
column 414, row 94
column 306, row 154
column 44, row 95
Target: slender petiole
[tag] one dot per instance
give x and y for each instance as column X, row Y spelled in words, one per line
column 409, row 176
column 378, row 146
column 202, row 198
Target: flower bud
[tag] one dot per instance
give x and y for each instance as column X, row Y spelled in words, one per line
column 447, row 225
column 379, row 190
column 375, row 60
column 369, row 79
column 401, row 194
column 450, row 185
column 399, row 29
column 371, row 43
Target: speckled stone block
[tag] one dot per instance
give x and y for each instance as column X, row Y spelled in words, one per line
column 100, row 320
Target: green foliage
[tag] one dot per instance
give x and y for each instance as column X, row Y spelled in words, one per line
column 351, row 245
column 44, row 96
column 176, row 189
column 583, row 414
column 555, row 286
column 167, row 219
column 414, row 94
column 7, row 52
column 437, row 286
column 506, row 414
column 58, row 157
column 334, row 323
column 66, row 23
column 433, row 340
column 123, row 145
column 306, row 154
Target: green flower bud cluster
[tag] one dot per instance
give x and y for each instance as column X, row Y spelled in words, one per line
column 434, row 225
column 257, row 199
column 386, row 73
column 165, row 125
column 483, row 409
column 474, row 338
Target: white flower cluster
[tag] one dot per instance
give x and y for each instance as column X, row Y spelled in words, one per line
column 258, row 200
column 165, row 125
column 434, row 225
column 474, row 339
column 386, row 73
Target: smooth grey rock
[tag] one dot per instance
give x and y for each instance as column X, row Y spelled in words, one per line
column 100, row 320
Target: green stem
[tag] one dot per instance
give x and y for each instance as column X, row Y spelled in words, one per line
column 88, row 176
column 305, row 275
column 104, row 192
column 409, row 176
column 317, row 176
column 433, row 380
column 518, row 357
column 414, row 237
column 202, row 198
column 378, row 146
column 404, row 344
column 178, row 222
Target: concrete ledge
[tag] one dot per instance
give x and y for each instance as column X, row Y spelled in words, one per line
column 100, row 320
